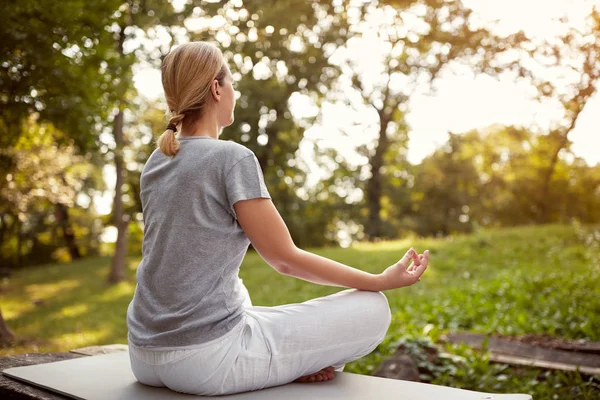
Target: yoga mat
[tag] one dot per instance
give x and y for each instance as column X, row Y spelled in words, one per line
column 109, row 376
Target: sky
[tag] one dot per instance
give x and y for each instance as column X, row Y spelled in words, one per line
column 461, row 102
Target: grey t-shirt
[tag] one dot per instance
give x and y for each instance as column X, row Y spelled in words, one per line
column 188, row 291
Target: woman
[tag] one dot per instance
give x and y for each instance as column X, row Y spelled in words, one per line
column 192, row 326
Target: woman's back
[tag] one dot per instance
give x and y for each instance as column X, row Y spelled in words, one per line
column 188, row 291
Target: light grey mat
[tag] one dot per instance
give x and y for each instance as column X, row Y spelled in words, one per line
column 109, row 376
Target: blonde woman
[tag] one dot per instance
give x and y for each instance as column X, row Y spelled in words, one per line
column 191, row 324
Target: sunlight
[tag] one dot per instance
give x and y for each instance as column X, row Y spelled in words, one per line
column 48, row 290
column 393, row 245
column 73, row 311
column 535, row 17
column 82, row 338
column 109, row 233
column 119, row 290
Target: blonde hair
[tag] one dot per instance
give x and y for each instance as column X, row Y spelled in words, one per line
column 187, row 73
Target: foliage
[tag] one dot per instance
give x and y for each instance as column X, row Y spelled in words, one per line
column 449, row 174
column 494, row 177
column 42, row 175
column 53, row 65
column 510, row 281
column 419, row 40
column 564, row 69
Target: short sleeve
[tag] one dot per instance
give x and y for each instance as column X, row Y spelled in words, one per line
column 245, row 181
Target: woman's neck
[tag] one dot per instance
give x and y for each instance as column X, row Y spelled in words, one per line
column 207, row 126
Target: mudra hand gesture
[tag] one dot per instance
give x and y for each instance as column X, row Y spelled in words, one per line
column 406, row 271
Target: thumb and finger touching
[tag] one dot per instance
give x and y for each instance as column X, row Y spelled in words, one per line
column 419, row 270
column 414, row 264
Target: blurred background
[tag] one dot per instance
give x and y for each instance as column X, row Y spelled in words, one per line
column 467, row 127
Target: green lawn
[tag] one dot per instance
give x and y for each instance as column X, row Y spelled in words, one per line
column 510, row 281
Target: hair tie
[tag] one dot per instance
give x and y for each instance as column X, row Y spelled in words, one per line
column 172, row 127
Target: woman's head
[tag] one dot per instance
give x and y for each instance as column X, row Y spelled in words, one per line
column 198, row 87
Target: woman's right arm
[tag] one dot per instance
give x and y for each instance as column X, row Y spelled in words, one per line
column 269, row 235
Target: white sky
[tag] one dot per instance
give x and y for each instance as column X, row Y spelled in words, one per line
column 461, row 102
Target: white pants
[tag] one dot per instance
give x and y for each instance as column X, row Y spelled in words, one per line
column 271, row 346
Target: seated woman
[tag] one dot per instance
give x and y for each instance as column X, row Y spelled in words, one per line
column 191, row 324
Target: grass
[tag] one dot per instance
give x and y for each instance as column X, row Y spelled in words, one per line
column 510, row 281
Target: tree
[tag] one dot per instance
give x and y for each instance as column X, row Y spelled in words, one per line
column 44, row 182
column 490, row 177
column 510, row 161
column 572, row 55
column 421, row 37
column 447, row 186
column 52, row 66
column 132, row 20
column 44, row 177
column 6, row 335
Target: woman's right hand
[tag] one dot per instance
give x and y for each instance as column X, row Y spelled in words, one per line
column 406, row 271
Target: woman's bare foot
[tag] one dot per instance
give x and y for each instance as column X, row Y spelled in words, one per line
column 326, row 374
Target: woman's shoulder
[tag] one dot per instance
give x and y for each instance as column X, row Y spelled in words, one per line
column 235, row 146
column 233, row 151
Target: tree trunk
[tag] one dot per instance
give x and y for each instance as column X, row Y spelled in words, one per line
column 2, row 230
column 544, row 215
column 121, row 221
column 62, row 218
column 6, row 336
column 19, row 226
column 9, row 222
column 373, row 227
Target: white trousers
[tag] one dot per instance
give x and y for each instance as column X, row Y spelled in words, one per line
column 271, row 346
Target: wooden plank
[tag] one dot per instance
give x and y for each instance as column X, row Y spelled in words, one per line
column 542, row 341
column 591, row 347
column 530, row 362
column 561, row 359
column 97, row 350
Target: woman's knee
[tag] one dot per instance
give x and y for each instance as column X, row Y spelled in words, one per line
column 381, row 310
column 376, row 310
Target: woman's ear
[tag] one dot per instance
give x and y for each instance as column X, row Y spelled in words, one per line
column 214, row 87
